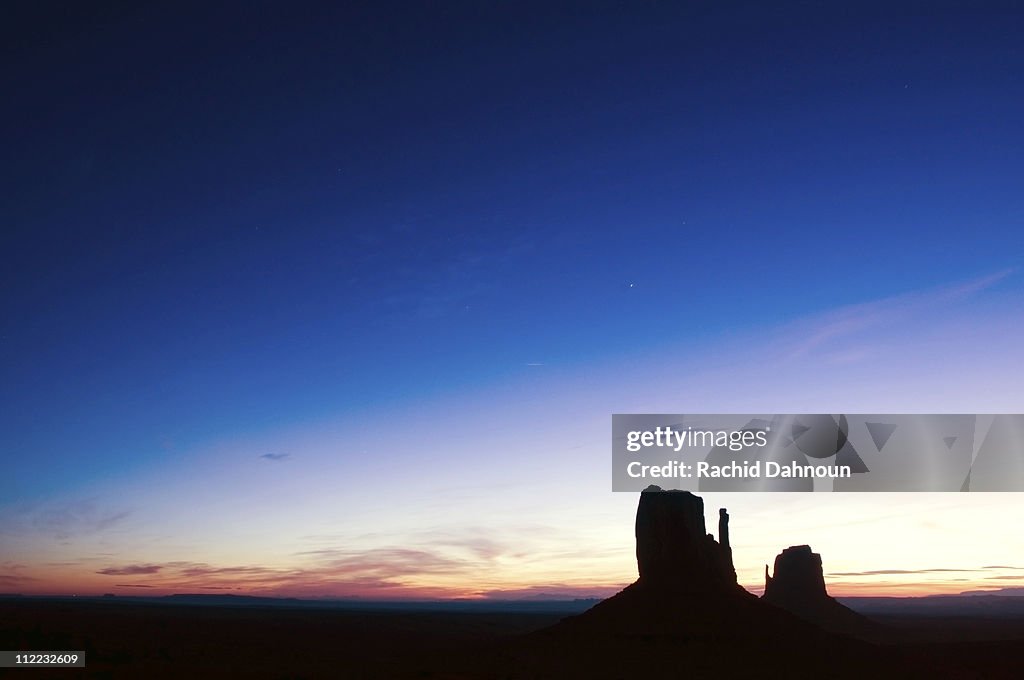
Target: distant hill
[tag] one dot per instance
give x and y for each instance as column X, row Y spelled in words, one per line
column 979, row 604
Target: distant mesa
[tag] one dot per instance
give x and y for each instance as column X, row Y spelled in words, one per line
column 798, row 586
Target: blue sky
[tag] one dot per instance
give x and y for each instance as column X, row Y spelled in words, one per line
column 227, row 232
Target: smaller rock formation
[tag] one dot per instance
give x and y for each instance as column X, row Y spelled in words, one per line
column 799, row 576
column 798, row 586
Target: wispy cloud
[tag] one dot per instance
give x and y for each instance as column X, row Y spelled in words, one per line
column 276, row 456
column 889, row 572
column 15, row 580
column 76, row 518
column 969, row 288
column 206, row 570
column 384, row 572
column 391, row 563
column 822, row 333
column 131, row 570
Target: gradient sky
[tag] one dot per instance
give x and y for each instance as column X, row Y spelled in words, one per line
column 317, row 300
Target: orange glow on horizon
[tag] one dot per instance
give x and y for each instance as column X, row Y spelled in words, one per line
column 95, row 585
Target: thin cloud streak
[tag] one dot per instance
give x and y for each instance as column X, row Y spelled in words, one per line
column 825, row 329
column 76, row 518
column 131, row 570
column 276, row 456
column 887, row 572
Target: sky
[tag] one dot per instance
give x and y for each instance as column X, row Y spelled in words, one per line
column 337, row 301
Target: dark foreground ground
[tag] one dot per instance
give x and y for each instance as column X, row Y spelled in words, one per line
column 127, row 640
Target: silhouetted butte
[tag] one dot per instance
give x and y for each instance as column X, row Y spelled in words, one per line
column 798, row 586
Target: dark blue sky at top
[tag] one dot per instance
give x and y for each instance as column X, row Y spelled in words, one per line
column 218, row 220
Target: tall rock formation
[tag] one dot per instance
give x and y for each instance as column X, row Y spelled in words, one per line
column 687, row 583
column 798, row 586
column 672, row 549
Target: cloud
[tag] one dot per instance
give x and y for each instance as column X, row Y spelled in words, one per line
column 206, row 570
column 477, row 542
column 442, row 561
column 13, row 580
column 391, row 563
column 11, row 576
column 969, row 288
column 77, row 518
column 276, row 456
column 131, row 570
column 933, row 570
column 131, row 585
column 383, row 572
column 851, row 322
column 887, row 572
